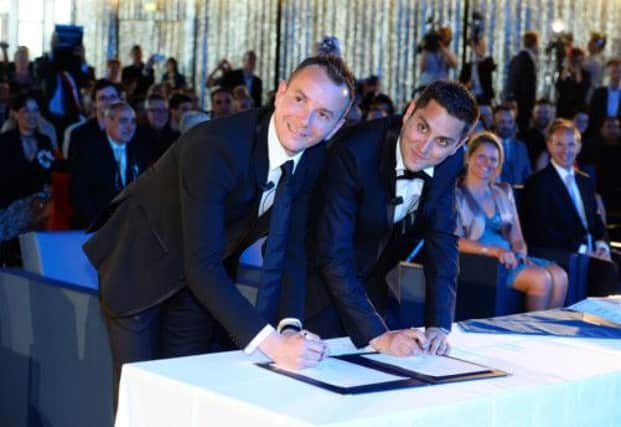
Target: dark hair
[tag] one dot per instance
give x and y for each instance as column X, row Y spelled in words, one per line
column 542, row 101
column 502, row 108
column 177, row 99
column 101, row 84
column 155, row 97
column 455, row 98
column 382, row 98
column 19, row 101
column 174, row 62
column 219, row 89
column 336, row 70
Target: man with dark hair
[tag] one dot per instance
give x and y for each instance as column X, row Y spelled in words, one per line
column 388, row 183
column 156, row 132
column 516, row 166
column 221, row 103
column 606, row 100
column 138, row 76
column 246, row 76
column 106, row 166
column 535, row 136
column 167, row 254
column 104, row 93
column 179, row 104
column 522, row 80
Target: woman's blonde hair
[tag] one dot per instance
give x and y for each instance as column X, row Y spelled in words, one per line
column 486, row 137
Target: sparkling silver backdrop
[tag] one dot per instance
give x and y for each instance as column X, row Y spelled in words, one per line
column 377, row 36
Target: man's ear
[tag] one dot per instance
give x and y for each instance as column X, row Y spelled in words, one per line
column 409, row 111
column 282, row 88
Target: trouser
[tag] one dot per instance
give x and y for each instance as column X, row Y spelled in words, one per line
column 179, row 326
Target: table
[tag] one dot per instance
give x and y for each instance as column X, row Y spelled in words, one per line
column 554, row 382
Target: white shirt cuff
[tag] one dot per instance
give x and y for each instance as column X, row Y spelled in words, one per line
column 289, row 322
column 582, row 249
column 258, row 339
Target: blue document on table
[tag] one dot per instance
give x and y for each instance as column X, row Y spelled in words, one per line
column 560, row 322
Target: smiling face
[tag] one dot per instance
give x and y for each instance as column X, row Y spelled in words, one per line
column 484, row 162
column 308, row 109
column 429, row 135
column 564, row 146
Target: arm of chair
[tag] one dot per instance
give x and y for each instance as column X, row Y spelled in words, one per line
column 481, row 290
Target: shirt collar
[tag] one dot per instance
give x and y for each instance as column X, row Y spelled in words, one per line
column 115, row 145
column 276, row 152
column 563, row 173
column 400, row 166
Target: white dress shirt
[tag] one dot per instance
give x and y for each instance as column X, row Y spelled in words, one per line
column 409, row 190
column 277, row 156
column 563, row 173
column 120, row 156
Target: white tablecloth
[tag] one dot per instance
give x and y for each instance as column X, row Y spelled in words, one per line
column 554, row 382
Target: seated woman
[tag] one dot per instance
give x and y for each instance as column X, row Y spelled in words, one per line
column 488, row 224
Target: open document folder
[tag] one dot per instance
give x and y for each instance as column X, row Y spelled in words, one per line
column 371, row 372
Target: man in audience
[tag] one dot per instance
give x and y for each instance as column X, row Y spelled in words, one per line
column 245, row 76
column 535, row 136
column 606, row 100
column 105, row 167
column 479, row 79
column 608, row 164
column 178, row 104
column 522, row 80
column 516, row 167
column 104, row 93
column 138, row 76
column 388, row 183
column 561, row 210
column 168, row 252
column 221, row 103
column 156, row 133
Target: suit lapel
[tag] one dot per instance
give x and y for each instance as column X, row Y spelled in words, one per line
column 260, row 156
column 388, row 174
column 584, row 195
column 563, row 193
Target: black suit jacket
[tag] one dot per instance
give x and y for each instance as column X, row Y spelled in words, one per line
column 551, row 220
column 135, row 74
column 186, row 220
column 356, row 223
column 19, row 177
column 236, row 78
column 522, row 86
column 83, row 135
column 598, row 110
column 485, row 69
column 95, row 178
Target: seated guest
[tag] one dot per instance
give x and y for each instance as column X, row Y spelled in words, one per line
column 192, row 118
column 113, row 70
column 106, row 167
column 156, row 132
column 221, row 103
column 561, row 209
column 104, row 94
column 587, row 157
column 162, row 89
column 242, row 100
column 516, row 165
column 20, row 72
column 25, row 154
column 230, row 78
column 379, row 106
column 178, row 104
column 607, row 162
column 535, row 136
column 172, row 75
column 488, row 224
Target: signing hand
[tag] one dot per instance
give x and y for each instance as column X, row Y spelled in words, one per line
column 437, row 341
column 294, row 350
column 404, row 342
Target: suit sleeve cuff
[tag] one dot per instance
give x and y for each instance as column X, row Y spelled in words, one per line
column 258, row 339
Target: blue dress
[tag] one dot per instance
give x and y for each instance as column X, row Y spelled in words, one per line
column 492, row 236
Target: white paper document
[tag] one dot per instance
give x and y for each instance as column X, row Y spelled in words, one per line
column 606, row 308
column 427, row 364
column 345, row 374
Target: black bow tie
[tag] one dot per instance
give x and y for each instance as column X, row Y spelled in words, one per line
column 409, row 175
